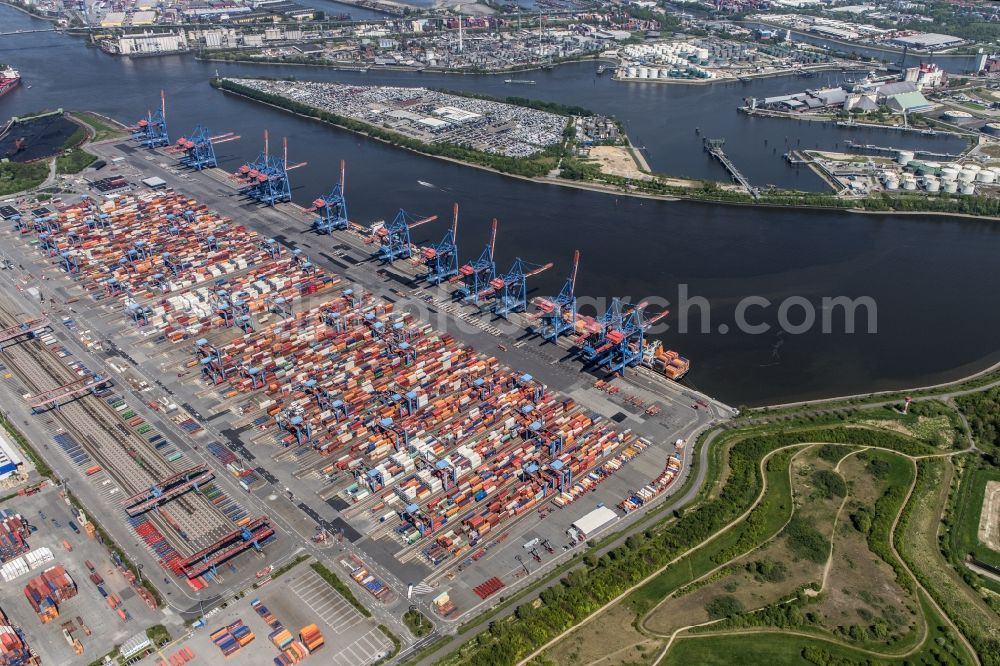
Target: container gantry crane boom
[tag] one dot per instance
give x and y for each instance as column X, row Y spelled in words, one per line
column 394, row 238
column 332, row 207
column 558, row 314
column 510, row 290
column 441, row 260
column 151, row 131
column 478, row 273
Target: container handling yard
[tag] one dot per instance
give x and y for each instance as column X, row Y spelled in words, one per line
column 226, row 398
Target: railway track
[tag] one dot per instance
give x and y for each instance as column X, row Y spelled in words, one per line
column 132, row 463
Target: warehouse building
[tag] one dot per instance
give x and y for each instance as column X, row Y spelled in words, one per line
column 588, row 525
column 927, row 40
column 10, row 459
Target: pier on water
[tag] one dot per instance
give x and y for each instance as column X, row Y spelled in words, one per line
column 714, row 148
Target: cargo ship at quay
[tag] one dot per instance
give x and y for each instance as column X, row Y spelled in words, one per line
column 289, row 379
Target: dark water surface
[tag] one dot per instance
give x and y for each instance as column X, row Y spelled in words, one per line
column 934, row 279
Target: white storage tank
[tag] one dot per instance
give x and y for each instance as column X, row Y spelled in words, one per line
column 909, row 184
column 956, row 115
column 904, row 157
column 972, row 167
column 632, row 72
column 986, row 176
column 966, row 176
column 950, row 186
column 891, row 183
column 931, row 184
column 949, row 173
column 968, row 188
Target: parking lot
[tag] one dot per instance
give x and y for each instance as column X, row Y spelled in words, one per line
column 296, row 599
column 428, row 115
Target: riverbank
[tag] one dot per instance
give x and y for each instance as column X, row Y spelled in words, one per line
column 877, row 205
column 364, row 67
column 29, row 11
column 741, row 78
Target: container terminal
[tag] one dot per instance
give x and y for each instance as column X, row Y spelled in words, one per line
column 229, row 397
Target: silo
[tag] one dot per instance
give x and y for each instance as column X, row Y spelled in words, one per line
column 993, row 129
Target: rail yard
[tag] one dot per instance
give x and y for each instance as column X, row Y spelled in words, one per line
column 225, row 389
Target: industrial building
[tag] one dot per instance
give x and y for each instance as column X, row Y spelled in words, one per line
column 146, row 43
column 10, row 459
column 926, row 41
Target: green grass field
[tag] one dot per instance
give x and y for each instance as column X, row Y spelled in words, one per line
column 16, row 177
column 102, row 128
column 968, row 509
column 74, row 161
column 764, row 521
column 775, row 649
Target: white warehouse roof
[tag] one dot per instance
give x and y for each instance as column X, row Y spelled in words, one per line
column 595, row 520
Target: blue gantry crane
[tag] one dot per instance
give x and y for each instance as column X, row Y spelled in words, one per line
column 509, row 291
column 151, row 131
column 266, row 180
column 558, row 313
column 198, row 148
column 441, row 260
column 394, row 237
column 620, row 342
column 476, row 274
column 332, row 207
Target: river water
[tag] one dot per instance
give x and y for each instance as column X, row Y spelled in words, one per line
column 933, row 279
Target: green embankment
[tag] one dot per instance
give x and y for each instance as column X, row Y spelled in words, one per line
column 101, row 127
